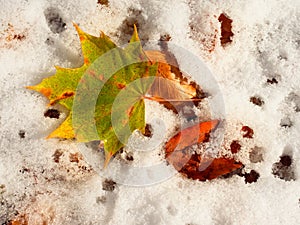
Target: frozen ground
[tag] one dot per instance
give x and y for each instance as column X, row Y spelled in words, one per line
column 49, row 182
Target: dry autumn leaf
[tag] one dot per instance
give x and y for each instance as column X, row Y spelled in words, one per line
column 171, row 87
column 213, row 168
column 191, row 164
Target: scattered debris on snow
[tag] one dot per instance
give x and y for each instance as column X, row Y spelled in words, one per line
column 251, row 48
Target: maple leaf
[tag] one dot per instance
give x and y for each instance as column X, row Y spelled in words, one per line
column 102, row 76
column 194, row 165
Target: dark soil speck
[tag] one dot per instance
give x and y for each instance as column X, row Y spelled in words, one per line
column 286, row 160
column 256, row 155
column 54, row 20
column 52, row 113
column 148, row 130
column 22, row 134
column 57, row 154
column 129, row 157
column 283, row 169
column 235, row 147
column 257, row 101
column 101, row 199
column 108, row 185
column 272, row 81
column 286, row 122
column 165, row 37
column 75, row 157
column 247, row 132
column 226, row 32
column 251, row 177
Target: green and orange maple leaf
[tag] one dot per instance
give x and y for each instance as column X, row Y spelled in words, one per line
column 106, row 71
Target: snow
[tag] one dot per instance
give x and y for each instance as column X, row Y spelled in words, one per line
column 265, row 45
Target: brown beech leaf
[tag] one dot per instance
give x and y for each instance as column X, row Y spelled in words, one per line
column 193, row 165
column 185, row 89
column 171, row 88
column 210, row 168
column 190, row 136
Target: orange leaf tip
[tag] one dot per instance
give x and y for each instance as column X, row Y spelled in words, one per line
column 135, row 36
column 30, row 87
column 102, row 34
column 58, row 67
column 77, row 27
column 80, row 32
column 108, row 156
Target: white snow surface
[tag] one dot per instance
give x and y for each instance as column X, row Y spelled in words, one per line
column 265, row 45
